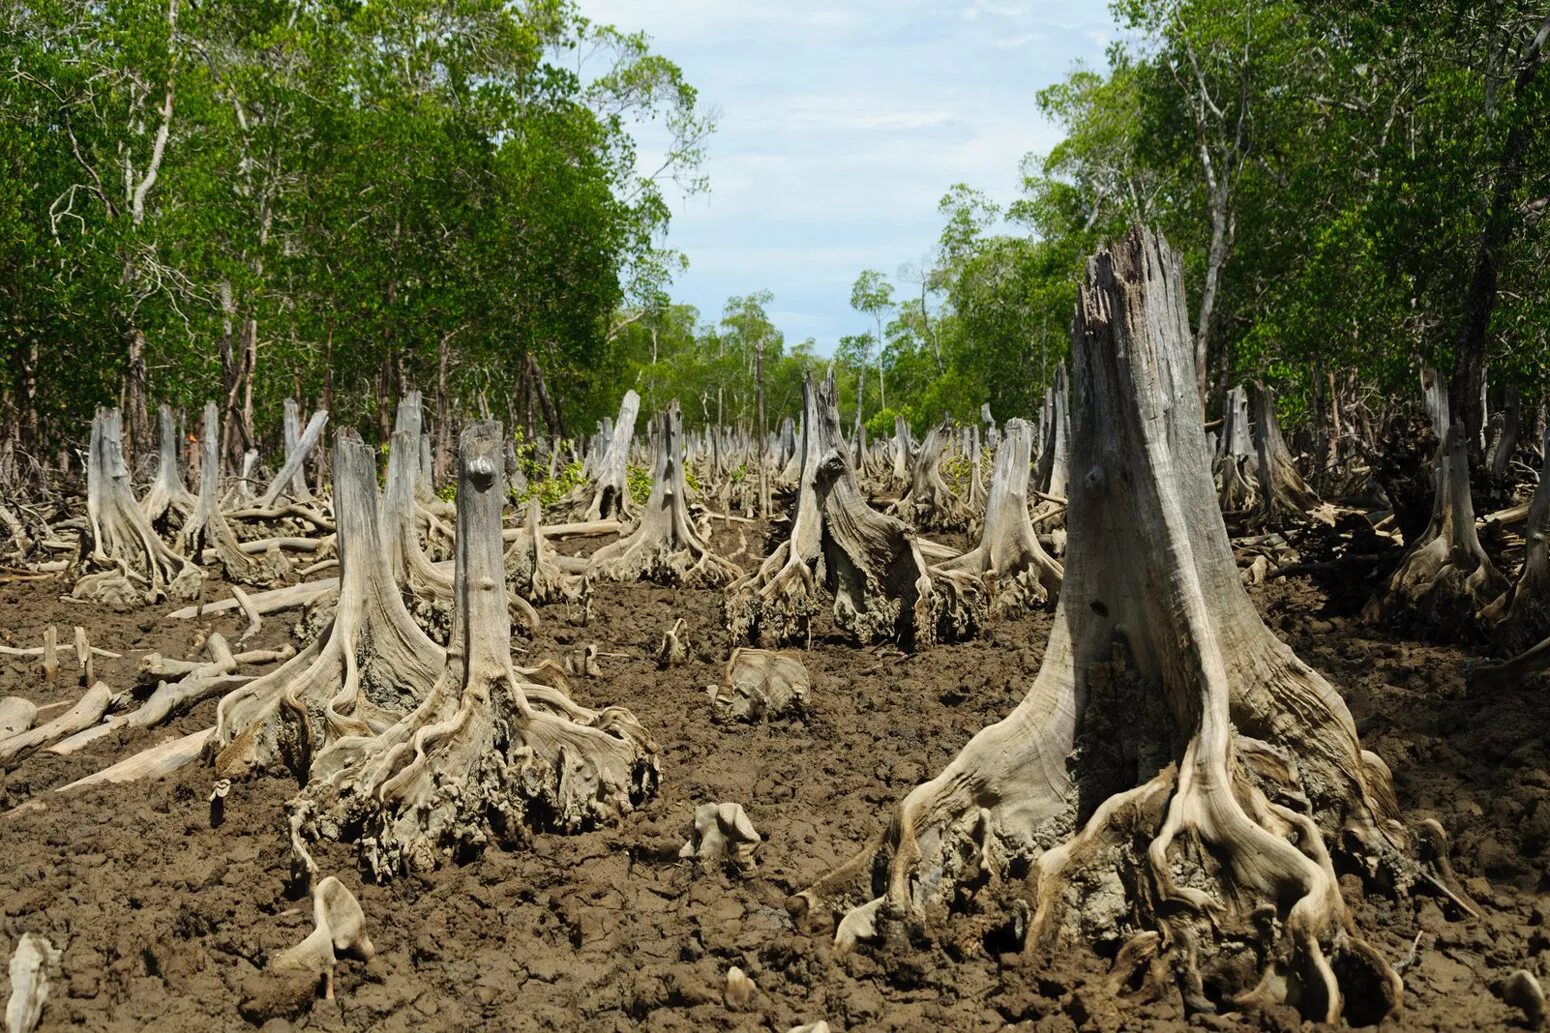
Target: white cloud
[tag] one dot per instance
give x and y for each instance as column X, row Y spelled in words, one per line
column 842, row 125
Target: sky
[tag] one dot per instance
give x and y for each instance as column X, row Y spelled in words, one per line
column 842, row 124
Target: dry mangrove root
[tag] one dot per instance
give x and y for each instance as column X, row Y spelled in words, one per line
column 490, row 753
column 870, row 563
column 1018, row 573
column 664, row 547
column 16, row 716
column 32, row 966
column 134, row 566
column 167, row 494
column 1238, row 493
column 339, row 932
column 761, row 686
column 87, row 711
column 1282, row 491
column 1175, row 784
column 370, row 664
column 723, row 835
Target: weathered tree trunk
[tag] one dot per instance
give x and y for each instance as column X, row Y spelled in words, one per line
column 135, row 566
column 903, row 452
column 1172, row 787
column 167, row 493
column 1054, row 472
column 1506, row 444
column 1281, row 487
column 531, row 570
column 869, row 562
column 489, row 754
column 930, row 503
column 368, row 666
column 1018, row 573
column 297, row 488
column 664, row 546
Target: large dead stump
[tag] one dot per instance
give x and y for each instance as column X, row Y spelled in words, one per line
column 868, row 561
column 664, row 546
column 370, row 664
column 488, row 754
column 1445, row 577
column 1018, row 573
column 1520, row 616
column 1174, row 785
column 930, row 503
column 134, row 566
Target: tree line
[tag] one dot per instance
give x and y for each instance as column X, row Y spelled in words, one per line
column 334, row 201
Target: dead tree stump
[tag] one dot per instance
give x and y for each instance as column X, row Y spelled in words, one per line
column 1173, row 787
column 488, row 754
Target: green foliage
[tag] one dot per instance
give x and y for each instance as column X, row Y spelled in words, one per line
column 638, row 480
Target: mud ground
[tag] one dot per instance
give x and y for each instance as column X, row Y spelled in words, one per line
column 165, row 921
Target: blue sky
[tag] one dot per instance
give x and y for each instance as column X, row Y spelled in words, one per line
column 842, row 125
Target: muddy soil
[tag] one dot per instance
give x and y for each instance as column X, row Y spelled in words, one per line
column 166, row 922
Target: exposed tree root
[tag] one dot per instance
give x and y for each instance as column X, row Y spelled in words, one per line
column 167, row 495
column 207, row 527
column 489, row 753
column 531, row 570
column 1174, row 783
column 664, row 547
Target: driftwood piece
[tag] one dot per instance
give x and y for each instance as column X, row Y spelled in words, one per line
column 32, row 966
column 87, row 711
column 285, row 481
